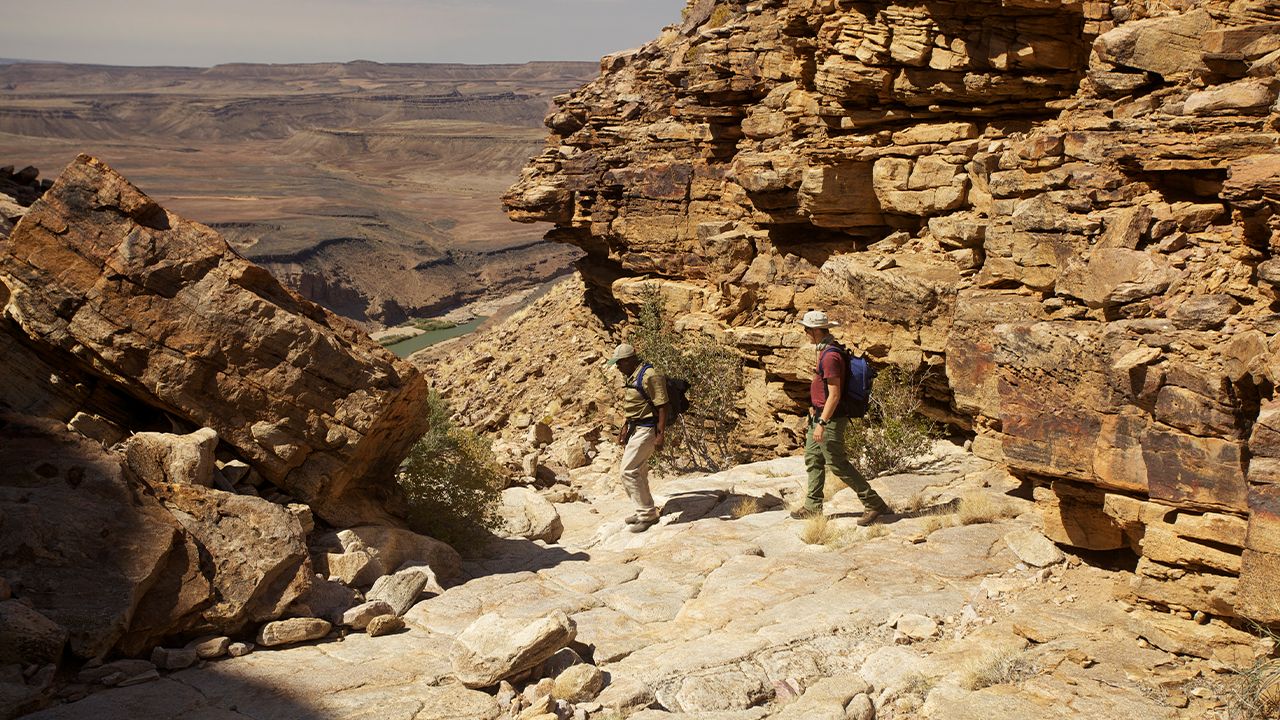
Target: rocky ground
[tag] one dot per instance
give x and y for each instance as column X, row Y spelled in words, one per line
column 727, row 610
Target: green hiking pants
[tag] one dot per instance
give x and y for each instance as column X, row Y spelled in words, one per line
column 831, row 453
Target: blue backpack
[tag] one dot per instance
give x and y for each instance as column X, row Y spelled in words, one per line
column 856, row 399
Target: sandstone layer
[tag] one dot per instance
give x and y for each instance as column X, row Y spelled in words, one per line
column 117, row 308
column 1062, row 214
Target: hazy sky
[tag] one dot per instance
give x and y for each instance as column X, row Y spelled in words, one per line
column 201, row 33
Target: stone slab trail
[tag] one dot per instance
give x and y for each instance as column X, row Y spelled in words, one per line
column 717, row 614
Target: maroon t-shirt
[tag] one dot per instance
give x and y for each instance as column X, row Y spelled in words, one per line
column 831, row 368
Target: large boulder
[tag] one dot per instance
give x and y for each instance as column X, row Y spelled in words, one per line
column 101, row 282
column 255, row 550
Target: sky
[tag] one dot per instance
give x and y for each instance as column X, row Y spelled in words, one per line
column 202, row 32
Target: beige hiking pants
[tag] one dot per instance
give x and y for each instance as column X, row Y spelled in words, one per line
column 635, row 470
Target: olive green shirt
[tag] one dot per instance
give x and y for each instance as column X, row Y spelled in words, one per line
column 634, row 406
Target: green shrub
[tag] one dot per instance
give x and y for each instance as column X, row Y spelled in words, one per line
column 452, row 480
column 720, row 16
column 705, row 437
column 893, row 433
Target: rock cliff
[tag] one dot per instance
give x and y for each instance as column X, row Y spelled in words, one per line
column 1063, row 214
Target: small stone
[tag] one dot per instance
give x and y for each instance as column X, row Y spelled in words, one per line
column 506, row 694
column 123, row 668
column 539, row 691
column 540, row 434
column 579, row 683
column 358, row 617
column 209, row 647
column 294, row 630
column 1201, row 617
column 234, row 470
column 860, row 708
column 385, row 625
column 142, row 677
column 239, row 649
column 173, row 658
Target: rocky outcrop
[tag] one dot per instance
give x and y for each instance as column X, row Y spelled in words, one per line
column 1062, row 215
column 140, row 315
column 171, row 418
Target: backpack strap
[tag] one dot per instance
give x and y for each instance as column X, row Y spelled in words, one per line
column 839, row 350
column 640, row 386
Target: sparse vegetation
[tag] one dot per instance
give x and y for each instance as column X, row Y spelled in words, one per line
column 704, row 437
column 1001, row 668
column 431, row 324
column 1254, row 692
column 745, row 505
column 819, row 530
column 720, row 16
column 893, row 433
column 918, row 686
column 452, row 481
column 933, row 522
column 980, row 507
column 389, row 340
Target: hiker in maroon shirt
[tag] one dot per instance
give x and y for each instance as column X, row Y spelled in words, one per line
column 824, row 441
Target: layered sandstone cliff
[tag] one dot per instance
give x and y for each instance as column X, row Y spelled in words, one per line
column 1062, row 213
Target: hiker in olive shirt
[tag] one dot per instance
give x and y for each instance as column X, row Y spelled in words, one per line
column 643, row 432
column 824, row 442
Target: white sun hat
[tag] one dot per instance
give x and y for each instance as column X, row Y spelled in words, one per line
column 622, row 352
column 817, row 319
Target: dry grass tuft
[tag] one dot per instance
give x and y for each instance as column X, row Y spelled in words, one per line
column 979, row 507
column 1254, row 692
column 744, row 506
column 934, row 522
column 817, row 530
column 1002, row 668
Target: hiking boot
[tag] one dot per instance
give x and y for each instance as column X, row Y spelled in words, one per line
column 869, row 517
column 803, row 513
column 632, row 519
column 641, row 524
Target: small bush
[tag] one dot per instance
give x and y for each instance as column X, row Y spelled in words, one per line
column 452, row 481
column 720, row 16
column 893, row 433
column 703, row 438
column 1002, row 668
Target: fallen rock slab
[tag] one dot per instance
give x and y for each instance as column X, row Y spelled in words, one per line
column 358, row 617
column 1033, row 548
column 296, row 630
column 495, row 648
column 107, row 283
column 399, row 591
